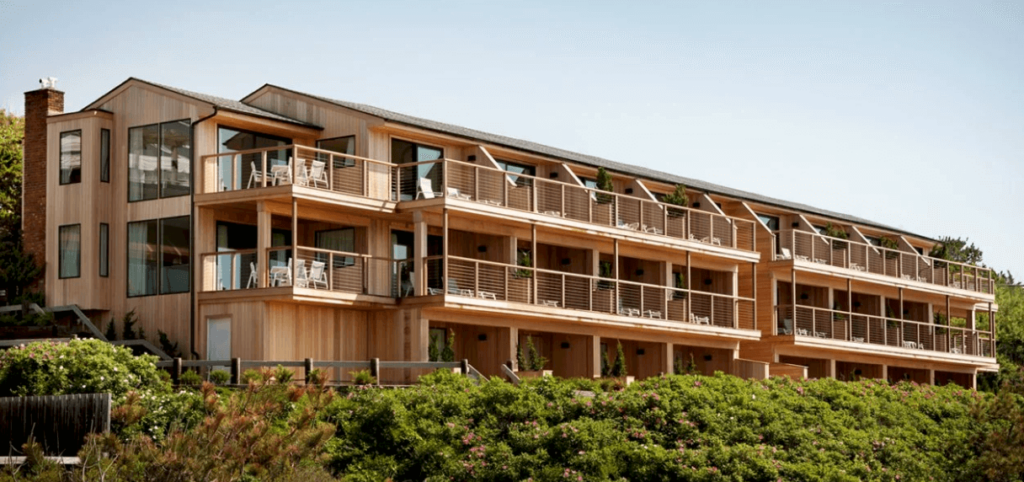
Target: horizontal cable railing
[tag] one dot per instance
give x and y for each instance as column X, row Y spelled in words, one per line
column 313, row 268
column 842, row 253
column 299, row 165
column 487, row 185
column 503, row 282
column 860, row 328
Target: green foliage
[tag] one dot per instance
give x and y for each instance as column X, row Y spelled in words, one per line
column 606, row 365
column 12, row 133
column 190, row 378
column 1001, row 446
column 171, row 349
column 521, row 361
column 128, row 326
column 317, row 377
column 111, row 332
column 283, row 375
column 835, row 231
column 448, row 354
column 363, row 378
column 604, row 183
column 958, row 250
column 537, row 362
column 78, row 366
column 251, row 375
column 220, row 377
column 677, row 197
column 433, row 354
column 524, row 260
column 604, row 269
column 619, row 367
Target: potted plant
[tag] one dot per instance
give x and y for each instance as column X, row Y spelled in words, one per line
column 605, row 271
column 532, row 366
column 618, row 370
column 891, row 246
column 680, row 282
column 525, row 261
column 678, row 198
column 837, row 232
column 690, row 368
column 604, row 183
column 836, row 316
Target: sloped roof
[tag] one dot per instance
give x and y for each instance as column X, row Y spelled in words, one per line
column 594, row 161
column 217, row 102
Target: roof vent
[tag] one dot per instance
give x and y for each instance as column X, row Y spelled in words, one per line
column 48, row 83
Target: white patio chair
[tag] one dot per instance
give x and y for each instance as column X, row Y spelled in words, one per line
column 455, row 193
column 453, row 288
column 281, row 275
column 317, row 174
column 425, row 188
column 301, row 275
column 786, row 254
column 487, row 295
column 256, row 177
column 317, row 275
column 281, row 174
column 253, row 282
column 787, row 326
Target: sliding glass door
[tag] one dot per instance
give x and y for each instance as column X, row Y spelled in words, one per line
column 236, row 140
column 405, row 152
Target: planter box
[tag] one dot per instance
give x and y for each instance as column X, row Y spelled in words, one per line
column 534, row 373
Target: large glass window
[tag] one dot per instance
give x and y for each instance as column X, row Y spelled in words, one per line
column 70, row 255
column 343, row 145
column 104, row 250
column 143, row 259
column 174, row 253
column 515, row 168
column 104, row 155
column 159, row 160
column 405, row 152
column 234, row 140
column 343, row 240
column 772, row 222
column 71, row 157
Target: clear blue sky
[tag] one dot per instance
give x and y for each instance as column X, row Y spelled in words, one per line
column 910, row 114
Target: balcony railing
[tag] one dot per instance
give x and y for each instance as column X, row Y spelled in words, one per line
column 299, row 165
column 495, row 187
column 842, row 253
column 503, row 282
column 876, row 330
column 313, row 268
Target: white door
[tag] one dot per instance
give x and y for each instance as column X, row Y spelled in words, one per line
column 218, row 339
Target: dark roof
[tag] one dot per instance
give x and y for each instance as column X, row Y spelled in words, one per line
column 595, row 161
column 219, row 103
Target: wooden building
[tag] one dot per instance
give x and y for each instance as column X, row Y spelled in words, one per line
column 287, row 226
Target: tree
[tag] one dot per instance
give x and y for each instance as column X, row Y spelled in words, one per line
column 604, row 183
column 537, row 361
column 12, row 134
column 448, row 354
column 433, row 354
column 619, row 367
column 956, row 249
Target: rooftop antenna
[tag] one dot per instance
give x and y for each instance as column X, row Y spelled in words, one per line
column 48, row 83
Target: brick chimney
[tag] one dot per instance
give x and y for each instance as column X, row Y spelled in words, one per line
column 39, row 104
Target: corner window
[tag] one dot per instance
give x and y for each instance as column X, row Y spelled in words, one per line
column 71, row 157
column 159, row 160
column 104, row 250
column 70, row 250
column 104, row 155
column 159, row 256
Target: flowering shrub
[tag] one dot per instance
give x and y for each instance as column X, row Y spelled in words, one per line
column 78, row 366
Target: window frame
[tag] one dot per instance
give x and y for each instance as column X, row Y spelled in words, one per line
column 60, row 156
column 60, row 252
column 527, row 178
column 105, row 157
column 346, row 162
column 159, row 160
column 104, row 250
column 160, row 268
column 158, row 290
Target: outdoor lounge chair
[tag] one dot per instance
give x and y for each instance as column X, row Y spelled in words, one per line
column 255, row 177
column 253, row 282
column 281, row 275
column 316, row 175
column 425, row 189
column 317, row 275
column 455, row 193
column 301, row 275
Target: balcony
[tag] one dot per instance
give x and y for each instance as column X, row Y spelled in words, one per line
column 317, row 270
column 914, row 336
column 901, row 265
column 556, row 290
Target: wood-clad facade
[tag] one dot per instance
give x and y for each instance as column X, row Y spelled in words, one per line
column 335, row 232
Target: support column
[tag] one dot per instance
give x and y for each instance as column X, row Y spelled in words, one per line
column 973, row 380
column 668, row 366
column 444, row 251
column 533, row 259
column 507, row 348
column 595, row 356
column 931, row 377
column 885, row 372
column 263, row 241
column 419, row 247
column 830, row 367
column 295, row 241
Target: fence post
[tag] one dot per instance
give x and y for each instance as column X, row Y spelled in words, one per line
column 375, row 369
column 307, row 365
column 464, row 366
column 236, row 370
column 176, row 371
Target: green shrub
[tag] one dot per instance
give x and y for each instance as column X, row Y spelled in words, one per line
column 619, row 367
column 317, row 377
column 78, row 366
column 128, row 326
column 190, row 378
column 448, row 354
column 283, row 375
column 362, row 378
column 251, row 375
column 220, row 377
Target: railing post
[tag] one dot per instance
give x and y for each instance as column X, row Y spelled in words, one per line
column 236, row 370
column 561, row 194
column 176, row 371
column 476, row 278
column 330, row 174
column 307, row 366
column 464, row 367
column 476, row 183
column 330, row 272
column 375, row 369
column 563, row 291
column 234, row 170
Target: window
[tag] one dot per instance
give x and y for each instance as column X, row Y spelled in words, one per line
column 71, row 157
column 343, row 145
column 159, row 160
column 337, row 240
column 405, row 152
column 174, row 251
column 218, row 339
column 438, row 337
column 104, row 250
column 819, row 229
column 70, row 245
column 772, row 222
column 159, row 256
column 589, row 183
column 233, row 140
column 874, row 240
column 514, row 168
column 104, row 155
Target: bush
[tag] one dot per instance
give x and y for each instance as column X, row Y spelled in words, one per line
column 78, row 366
column 190, row 378
column 362, row 378
column 220, row 377
column 619, row 367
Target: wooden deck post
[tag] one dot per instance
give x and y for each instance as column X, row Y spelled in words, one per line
column 263, row 242
column 307, row 365
column 375, row 369
column 295, row 241
column 464, row 367
column 236, row 370
column 176, row 371
column 533, row 262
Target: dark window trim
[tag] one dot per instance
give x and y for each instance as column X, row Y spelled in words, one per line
column 159, row 246
column 105, row 163
column 159, row 163
column 392, row 138
column 60, row 252
column 348, row 162
column 104, row 269
column 60, row 154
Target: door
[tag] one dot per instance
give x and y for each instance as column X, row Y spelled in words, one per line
column 218, row 340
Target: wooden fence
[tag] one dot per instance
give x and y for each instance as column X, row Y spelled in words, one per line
column 59, row 423
column 374, row 365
